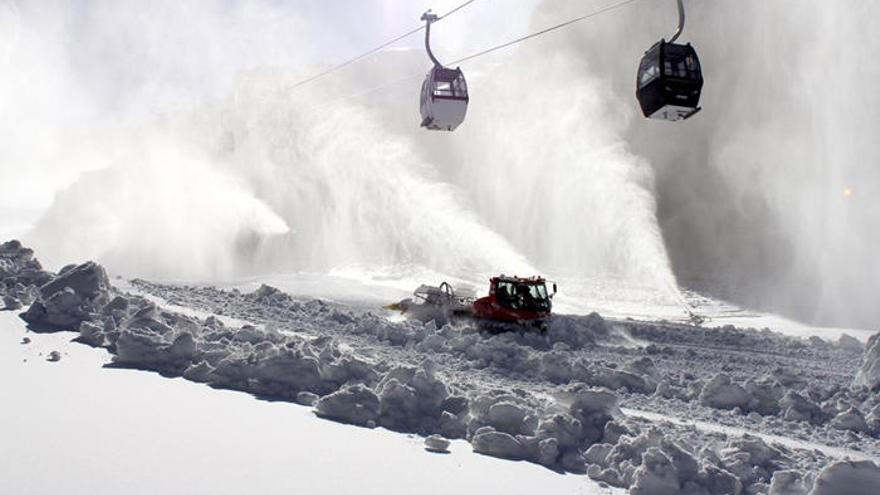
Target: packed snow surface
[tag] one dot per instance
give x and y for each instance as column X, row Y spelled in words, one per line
column 553, row 399
column 80, row 428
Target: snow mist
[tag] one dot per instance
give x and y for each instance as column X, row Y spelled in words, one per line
column 250, row 177
column 769, row 196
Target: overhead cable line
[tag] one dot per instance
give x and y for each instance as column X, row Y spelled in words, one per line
column 544, row 31
column 365, row 92
column 376, row 49
column 480, row 53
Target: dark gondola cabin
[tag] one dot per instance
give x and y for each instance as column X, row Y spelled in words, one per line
column 444, row 99
column 669, row 82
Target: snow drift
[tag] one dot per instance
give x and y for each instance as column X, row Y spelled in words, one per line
column 522, row 396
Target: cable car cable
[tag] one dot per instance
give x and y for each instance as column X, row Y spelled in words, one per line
column 480, row 53
column 544, row 31
column 366, row 91
column 376, row 49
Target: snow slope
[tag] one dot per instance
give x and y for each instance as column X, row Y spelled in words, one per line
column 74, row 427
column 758, row 403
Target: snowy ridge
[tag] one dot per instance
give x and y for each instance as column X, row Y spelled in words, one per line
column 552, row 399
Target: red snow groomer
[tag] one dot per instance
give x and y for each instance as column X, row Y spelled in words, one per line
column 512, row 300
column 515, row 300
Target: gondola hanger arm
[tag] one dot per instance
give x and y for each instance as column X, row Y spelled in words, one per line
column 680, row 28
column 430, row 17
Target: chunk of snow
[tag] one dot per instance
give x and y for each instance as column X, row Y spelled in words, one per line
column 721, row 393
column 70, row 298
column 10, row 303
column 656, row 475
column 643, row 366
column 616, row 379
column 796, row 407
column 355, row 404
column 436, row 443
column 498, row 444
column 751, row 460
column 598, row 453
column 548, row 451
column 789, row 482
column 20, row 274
column 850, row 343
column 307, row 398
column 765, row 394
column 140, row 347
column 848, row 478
column 411, row 398
column 509, row 418
column 869, row 372
column 851, row 419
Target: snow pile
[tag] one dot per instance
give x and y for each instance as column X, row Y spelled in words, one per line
column 762, row 395
column 765, row 395
column 498, row 444
column 590, row 411
column 342, row 385
column 669, row 470
column 355, row 404
column 74, row 296
column 848, row 478
column 852, row 419
column 569, row 332
column 20, row 275
column 550, row 399
column 869, row 373
column 797, row 407
column 650, row 463
column 579, row 331
column 790, row 482
column 752, row 461
column 436, row 443
column 850, row 343
column 466, row 357
column 615, row 379
column 721, row 393
column 351, row 390
column 142, row 335
column 779, row 395
column 414, row 399
column 516, row 352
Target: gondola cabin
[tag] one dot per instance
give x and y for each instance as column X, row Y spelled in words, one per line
column 669, row 82
column 444, row 99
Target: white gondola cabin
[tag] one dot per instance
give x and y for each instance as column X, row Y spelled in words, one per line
column 444, row 99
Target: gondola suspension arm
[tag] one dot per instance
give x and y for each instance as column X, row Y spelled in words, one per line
column 680, row 22
column 430, row 17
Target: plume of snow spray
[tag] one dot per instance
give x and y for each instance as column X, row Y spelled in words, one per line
column 538, row 181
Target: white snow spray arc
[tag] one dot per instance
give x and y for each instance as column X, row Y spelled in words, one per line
column 246, row 178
